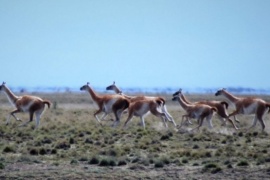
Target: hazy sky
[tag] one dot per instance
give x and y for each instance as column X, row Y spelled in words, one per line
column 137, row 43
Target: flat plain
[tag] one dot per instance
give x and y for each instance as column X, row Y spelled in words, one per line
column 70, row 144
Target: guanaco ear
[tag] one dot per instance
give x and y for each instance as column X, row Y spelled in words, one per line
column 87, row 83
column 3, row 83
column 113, row 82
column 180, row 90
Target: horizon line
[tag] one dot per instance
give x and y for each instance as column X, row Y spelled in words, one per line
column 202, row 90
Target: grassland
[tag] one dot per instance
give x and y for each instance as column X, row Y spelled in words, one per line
column 69, row 144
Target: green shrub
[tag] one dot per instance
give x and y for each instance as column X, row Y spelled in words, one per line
column 98, row 143
column 212, row 167
column 184, row 161
column 195, row 164
column 170, row 134
column 83, row 159
column 165, row 160
column 216, row 170
column 2, row 166
column 88, row 141
column 46, row 141
column 217, row 154
column 112, row 152
column 227, row 162
column 248, row 140
column 93, row 160
column 104, row 162
column 196, row 146
column 260, row 161
column 243, row 163
column 159, row 164
column 267, row 159
column 135, row 160
column 255, row 134
column 208, row 154
column 112, row 162
column 54, row 151
column 240, row 134
column 196, row 139
column 62, row 145
column 122, row 163
column 33, row 151
column 9, row 149
column 126, row 149
column 81, row 134
column 268, row 170
column 111, row 141
column 71, row 140
column 74, row 161
column 165, row 137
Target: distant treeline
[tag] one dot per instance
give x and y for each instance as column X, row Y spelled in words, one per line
column 237, row 90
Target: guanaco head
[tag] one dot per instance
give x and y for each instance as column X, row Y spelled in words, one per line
column 3, row 84
column 111, row 87
column 84, row 87
column 177, row 92
column 220, row 92
column 175, row 98
column 114, row 88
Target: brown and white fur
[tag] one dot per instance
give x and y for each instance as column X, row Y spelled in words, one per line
column 107, row 104
column 139, row 98
column 198, row 111
column 141, row 108
column 247, row 105
column 221, row 107
column 26, row 103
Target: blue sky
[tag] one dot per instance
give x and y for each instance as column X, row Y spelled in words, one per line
column 142, row 43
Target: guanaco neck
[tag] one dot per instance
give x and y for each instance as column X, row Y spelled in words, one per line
column 230, row 97
column 184, row 99
column 94, row 96
column 128, row 97
column 183, row 103
column 117, row 90
column 10, row 95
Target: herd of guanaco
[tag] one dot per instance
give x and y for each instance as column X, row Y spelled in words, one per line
column 139, row 106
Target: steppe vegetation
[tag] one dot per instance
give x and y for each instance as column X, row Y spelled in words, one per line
column 70, row 144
